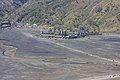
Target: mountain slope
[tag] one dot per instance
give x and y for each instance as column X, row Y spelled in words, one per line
column 71, row 13
column 9, row 6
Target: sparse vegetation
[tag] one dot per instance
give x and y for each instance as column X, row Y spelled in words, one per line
column 68, row 13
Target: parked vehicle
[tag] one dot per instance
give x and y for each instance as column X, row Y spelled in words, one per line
column 71, row 36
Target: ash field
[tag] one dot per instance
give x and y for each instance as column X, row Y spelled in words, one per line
column 95, row 57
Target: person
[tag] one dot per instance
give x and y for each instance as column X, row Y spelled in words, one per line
column 3, row 52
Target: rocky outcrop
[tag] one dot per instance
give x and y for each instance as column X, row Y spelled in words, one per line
column 8, row 50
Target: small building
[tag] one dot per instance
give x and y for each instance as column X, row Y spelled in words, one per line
column 5, row 24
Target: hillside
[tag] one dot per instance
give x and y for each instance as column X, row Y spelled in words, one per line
column 9, row 6
column 71, row 14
